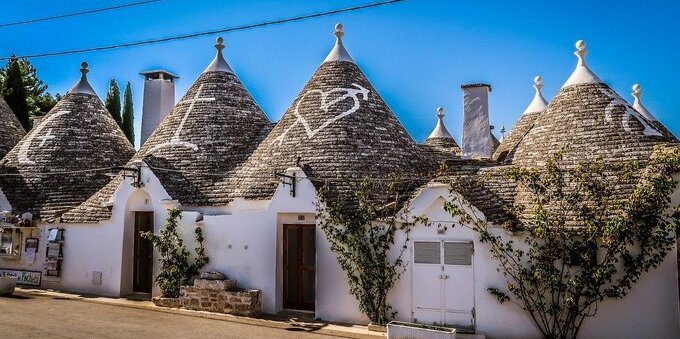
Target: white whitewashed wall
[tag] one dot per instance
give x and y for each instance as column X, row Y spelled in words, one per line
column 244, row 240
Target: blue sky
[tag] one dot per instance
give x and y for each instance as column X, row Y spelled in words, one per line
column 416, row 53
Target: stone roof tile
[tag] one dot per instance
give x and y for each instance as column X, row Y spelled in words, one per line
column 12, row 131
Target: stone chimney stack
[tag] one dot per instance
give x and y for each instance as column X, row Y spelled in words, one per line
column 477, row 142
column 159, row 98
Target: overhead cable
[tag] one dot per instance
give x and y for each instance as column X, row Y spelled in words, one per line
column 210, row 32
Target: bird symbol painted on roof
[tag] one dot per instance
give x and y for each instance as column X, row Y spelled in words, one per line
column 325, row 105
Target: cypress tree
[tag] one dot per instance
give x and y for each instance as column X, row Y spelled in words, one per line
column 14, row 92
column 128, row 115
column 112, row 102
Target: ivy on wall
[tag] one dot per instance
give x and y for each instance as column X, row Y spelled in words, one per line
column 361, row 230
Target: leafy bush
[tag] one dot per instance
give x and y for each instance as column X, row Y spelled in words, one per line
column 175, row 267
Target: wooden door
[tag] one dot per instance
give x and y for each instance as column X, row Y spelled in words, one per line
column 143, row 253
column 299, row 267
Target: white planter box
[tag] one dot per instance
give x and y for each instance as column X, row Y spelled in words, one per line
column 7, row 285
column 402, row 330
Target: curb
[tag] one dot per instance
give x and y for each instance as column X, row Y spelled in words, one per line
column 200, row 314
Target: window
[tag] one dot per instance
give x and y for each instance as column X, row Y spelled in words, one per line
column 458, row 253
column 10, row 242
column 427, row 252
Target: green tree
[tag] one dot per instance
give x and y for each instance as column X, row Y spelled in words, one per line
column 46, row 102
column 14, row 92
column 176, row 269
column 128, row 115
column 112, row 102
column 579, row 242
column 38, row 100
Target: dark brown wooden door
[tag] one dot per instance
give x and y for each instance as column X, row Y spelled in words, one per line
column 299, row 267
column 143, row 257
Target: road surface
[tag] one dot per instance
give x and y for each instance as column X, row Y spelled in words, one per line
column 53, row 317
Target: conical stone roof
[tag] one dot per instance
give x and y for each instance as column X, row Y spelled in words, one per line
column 338, row 130
column 12, row 131
column 65, row 159
column 506, row 149
column 592, row 121
column 440, row 136
column 206, row 136
column 210, row 132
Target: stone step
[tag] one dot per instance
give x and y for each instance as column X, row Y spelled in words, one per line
column 218, row 285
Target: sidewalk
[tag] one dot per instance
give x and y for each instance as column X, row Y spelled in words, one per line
column 331, row 329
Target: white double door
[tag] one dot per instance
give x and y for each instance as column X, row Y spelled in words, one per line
column 443, row 283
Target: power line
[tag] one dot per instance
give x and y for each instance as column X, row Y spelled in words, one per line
column 60, row 16
column 225, row 30
column 93, row 170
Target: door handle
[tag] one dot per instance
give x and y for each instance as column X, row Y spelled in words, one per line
column 443, row 276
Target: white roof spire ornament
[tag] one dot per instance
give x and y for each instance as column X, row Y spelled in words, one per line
column 538, row 104
column 637, row 104
column 83, row 87
column 440, row 130
column 502, row 133
column 219, row 64
column 582, row 74
column 339, row 53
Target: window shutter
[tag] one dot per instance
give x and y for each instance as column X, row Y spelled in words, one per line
column 458, row 253
column 426, row 252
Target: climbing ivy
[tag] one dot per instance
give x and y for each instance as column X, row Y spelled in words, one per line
column 579, row 241
column 361, row 229
column 175, row 267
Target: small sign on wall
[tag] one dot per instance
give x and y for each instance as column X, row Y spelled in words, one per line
column 29, row 278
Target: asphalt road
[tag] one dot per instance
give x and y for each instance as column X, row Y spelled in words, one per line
column 43, row 317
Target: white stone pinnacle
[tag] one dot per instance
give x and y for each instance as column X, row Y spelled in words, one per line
column 440, row 130
column 339, row 53
column 219, row 64
column 539, row 103
column 637, row 104
column 582, row 74
column 83, row 87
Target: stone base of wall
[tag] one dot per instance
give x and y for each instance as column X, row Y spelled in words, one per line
column 167, row 302
column 221, row 296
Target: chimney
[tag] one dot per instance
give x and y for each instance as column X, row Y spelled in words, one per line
column 477, row 142
column 159, row 98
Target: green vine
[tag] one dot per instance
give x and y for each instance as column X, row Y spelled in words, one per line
column 175, row 267
column 361, row 230
column 581, row 240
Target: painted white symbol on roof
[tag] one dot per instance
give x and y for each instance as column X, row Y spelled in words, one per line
column 175, row 141
column 628, row 113
column 26, row 145
column 325, row 106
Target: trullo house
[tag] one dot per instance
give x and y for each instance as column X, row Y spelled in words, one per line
column 59, row 164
